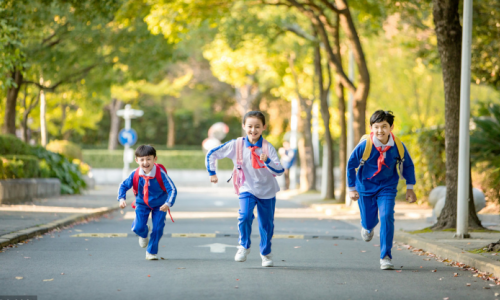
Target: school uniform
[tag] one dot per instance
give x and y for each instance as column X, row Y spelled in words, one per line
column 156, row 198
column 377, row 186
column 260, row 188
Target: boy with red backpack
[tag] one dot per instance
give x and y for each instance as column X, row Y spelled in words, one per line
column 154, row 192
column 256, row 164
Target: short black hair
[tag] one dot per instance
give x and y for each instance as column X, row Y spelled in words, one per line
column 381, row 116
column 255, row 114
column 145, row 150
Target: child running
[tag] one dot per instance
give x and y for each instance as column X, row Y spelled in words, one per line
column 256, row 163
column 155, row 194
column 376, row 181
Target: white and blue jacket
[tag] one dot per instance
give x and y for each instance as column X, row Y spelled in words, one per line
column 258, row 182
column 157, row 197
column 387, row 179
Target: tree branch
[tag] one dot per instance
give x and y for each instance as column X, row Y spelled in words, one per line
column 295, row 28
column 277, row 3
column 70, row 78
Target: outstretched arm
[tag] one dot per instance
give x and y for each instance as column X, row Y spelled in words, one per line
column 124, row 187
column 225, row 150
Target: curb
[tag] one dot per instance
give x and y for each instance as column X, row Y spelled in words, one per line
column 446, row 251
column 21, row 235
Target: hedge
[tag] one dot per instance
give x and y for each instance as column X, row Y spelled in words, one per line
column 171, row 159
column 70, row 150
column 20, row 166
column 19, row 160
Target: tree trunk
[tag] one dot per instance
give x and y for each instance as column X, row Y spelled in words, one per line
column 43, row 121
column 27, row 110
column 474, row 222
column 339, row 91
column 171, row 127
column 325, row 114
column 113, row 107
column 449, row 37
column 10, row 106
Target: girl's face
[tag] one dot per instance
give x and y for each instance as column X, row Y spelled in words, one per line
column 382, row 130
column 253, row 127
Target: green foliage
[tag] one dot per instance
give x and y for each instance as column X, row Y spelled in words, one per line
column 170, row 159
column 20, row 166
column 10, row 144
column 68, row 149
column 427, row 149
column 485, row 151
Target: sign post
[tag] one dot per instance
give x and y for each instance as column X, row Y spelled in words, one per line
column 128, row 136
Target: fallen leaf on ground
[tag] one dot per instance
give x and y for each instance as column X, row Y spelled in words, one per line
column 446, row 298
column 296, row 247
column 399, row 249
column 376, row 290
column 162, row 258
column 496, row 294
column 427, row 259
column 455, row 274
column 399, row 271
column 180, row 268
column 236, row 287
column 335, row 244
column 149, row 275
column 27, row 257
column 492, row 284
column 118, row 290
column 19, row 277
column 48, row 279
column 340, row 252
column 434, row 271
column 237, row 280
column 62, row 273
column 375, row 245
column 467, row 284
column 486, row 287
column 421, row 267
column 363, row 251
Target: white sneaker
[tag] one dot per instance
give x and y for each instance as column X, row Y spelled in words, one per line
column 150, row 256
column 367, row 236
column 386, row 263
column 242, row 253
column 143, row 242
column 267, row 260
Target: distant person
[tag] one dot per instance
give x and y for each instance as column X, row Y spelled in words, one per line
column 256, row 163
column 154, row 192
column 372, row 177
column 288, row 156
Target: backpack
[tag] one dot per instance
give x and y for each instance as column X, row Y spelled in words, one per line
column 135, row 184
column 369, row 146
column 238, row 176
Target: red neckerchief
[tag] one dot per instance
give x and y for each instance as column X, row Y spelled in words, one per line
column 380, row 161
column 146, row 188
column 256, row 159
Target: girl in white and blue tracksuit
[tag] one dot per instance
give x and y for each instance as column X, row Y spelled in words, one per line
column 260, row 188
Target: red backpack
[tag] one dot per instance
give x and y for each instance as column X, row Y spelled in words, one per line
column 135, row 184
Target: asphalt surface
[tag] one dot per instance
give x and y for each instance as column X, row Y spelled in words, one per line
column 330, row 261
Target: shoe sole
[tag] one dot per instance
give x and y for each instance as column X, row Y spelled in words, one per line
column 387, row 267
column 271, row 265
column 244, row 260
column 147, row 241
column 151, row 258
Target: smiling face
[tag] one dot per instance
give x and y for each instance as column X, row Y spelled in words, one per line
column 382, row 130
column 146, row 162
column 253, row 128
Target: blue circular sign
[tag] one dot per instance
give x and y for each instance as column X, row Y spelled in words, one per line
column 127, row 137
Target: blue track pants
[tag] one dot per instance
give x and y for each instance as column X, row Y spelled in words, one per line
column 370, row 207
column 139, row 226
column 265, row 209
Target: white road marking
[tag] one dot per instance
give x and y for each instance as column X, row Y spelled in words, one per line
column 218, row 248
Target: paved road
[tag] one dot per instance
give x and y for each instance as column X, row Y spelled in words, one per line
column 329, row 262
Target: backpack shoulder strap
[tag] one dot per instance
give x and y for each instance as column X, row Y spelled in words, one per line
column 265, row 147
column 135, row 182
column 401, row 148
column 368, row 147
column 158, row 177
column 239, row 151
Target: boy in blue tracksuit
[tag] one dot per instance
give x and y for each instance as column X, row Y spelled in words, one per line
column 376, row 180
column 155, row 194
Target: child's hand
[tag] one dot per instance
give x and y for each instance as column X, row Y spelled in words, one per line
column 214, row 179
column 165, row 207
column 354, row 195
column 123, row 204
column 263, row 157
column 410, row 196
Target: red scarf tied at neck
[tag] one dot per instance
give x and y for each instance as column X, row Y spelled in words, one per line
column 146, row 188
column 380, row 161
column 256, row 159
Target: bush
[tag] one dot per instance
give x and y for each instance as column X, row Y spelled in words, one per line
column 70, row 150
column 427, row 150
column 171, row 159
column 10, row 144
column 20, row 166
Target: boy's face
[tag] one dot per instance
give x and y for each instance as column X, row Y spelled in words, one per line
column 146, row 162
column 253, row 128
column 382, row 130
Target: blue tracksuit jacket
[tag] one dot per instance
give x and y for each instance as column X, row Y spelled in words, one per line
column 388, row 178
column 157, row 197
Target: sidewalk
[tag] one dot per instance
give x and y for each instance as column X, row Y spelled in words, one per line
column 21, row 222
column 411, row 217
